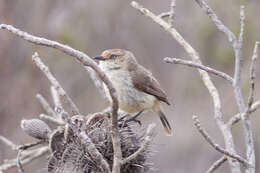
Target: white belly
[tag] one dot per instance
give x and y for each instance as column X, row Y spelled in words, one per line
column 130, row 99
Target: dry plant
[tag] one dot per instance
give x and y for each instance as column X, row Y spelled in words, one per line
column 102, row 143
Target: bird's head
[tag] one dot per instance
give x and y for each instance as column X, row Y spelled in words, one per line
column 115, row 59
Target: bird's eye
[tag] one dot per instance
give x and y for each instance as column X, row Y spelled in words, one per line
column 113, row 56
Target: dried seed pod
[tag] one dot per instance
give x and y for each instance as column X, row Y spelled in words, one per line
column 56, row 141
column 36, row 128
column 70, row 154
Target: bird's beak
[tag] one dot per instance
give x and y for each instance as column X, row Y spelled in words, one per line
column 99, row 58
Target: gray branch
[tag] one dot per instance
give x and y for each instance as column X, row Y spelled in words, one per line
column 51, row 119
column 226, row 132
column 200, row 66
column 172, row 12
column 221, row 27
column 55, row 97
column 9, row 143
column 45, row 105
column 237, row 47
column 65, row 97
column 26, row 157
column 236, row 118
column 253, row 75
column 216, row 146
column 217, row 164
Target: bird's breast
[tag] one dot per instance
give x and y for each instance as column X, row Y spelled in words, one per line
column 130, row 99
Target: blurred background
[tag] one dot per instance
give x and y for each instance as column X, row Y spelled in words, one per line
column 93, row 26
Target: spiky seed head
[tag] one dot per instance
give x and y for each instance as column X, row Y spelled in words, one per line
column 69, row 153
column 36, row 128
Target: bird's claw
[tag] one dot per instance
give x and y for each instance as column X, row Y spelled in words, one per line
column 134, row 120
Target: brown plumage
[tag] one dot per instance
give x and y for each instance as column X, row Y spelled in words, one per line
column 137, row 89
column 144, row 81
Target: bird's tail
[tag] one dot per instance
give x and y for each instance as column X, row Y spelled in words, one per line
column 166, row 125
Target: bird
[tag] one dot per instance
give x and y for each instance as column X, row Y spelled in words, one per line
column 136, row 88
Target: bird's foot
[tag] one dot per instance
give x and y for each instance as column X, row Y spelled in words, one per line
column 133, row 118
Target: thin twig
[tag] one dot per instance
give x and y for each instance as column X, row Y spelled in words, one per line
column 48, row 118
column 250, row 150
column 18, row 162
column 30, row 145
column 26, row 158
column 216, row 146
column 236, row 118
column 65, row 97
column 97, row 81
column 238, row 61
column 217, row 164
column 226, row 132
column 212, row 15
column 237, row 47
column 172, row 12
column 242, row 25
column 254, row 106
column 145, row 144
column 200, row 66
column 45, row 105
column 252, row 75
column 55, row 97
column 95, row 154
column 86, row 61
column 9, row 143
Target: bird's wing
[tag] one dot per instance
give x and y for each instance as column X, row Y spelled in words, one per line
column 144, row 81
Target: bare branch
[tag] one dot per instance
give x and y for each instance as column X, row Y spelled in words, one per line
column 18, row 162
column 172, row 12
column 145, row 144
column 216, row 146
column 253, row 75
column 97, row 81
column 221, row 27
column 45, row 105
column 51, row 119
column 217, row 164
column 238, row 61
column 55, row 97
column 226, row 132
column 86, row 61
column 237, row 46
column 95, row 154
column 250, row 151
column 200, row 66
column 26, row 158
column 8, row 143
column 236, row 118
column 36, row 59
column 242, row 25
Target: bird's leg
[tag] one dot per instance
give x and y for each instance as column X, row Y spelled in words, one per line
column 134, row 118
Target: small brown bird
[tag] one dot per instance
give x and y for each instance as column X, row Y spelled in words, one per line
column 136, row 88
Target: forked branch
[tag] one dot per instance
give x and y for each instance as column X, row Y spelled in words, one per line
column 215, row 145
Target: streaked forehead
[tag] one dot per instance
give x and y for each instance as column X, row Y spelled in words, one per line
column 109, row 52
